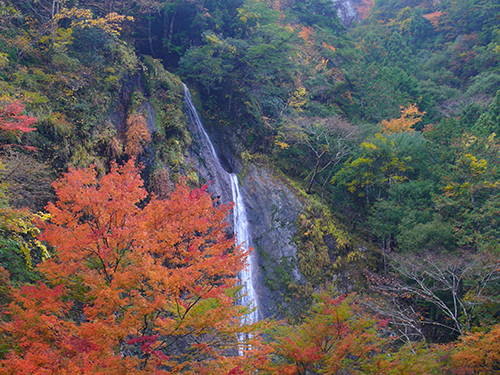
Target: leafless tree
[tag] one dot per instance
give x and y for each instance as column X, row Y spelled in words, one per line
column 28, row 180
column 457, row 285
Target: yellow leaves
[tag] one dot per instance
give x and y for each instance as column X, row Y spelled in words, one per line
column 472, row 166
column 474, row 177
column 4, row 60
column 26, row 252
column 246, row 14
column 490, row 141
column 25, row 231
column 368, row 146
column 282, row 145
column 320, row 66
column 468, row 140
column 352, row 257
column 477, row 167
column 60, row 38
column 379, row 167
column 73, row 13
column 213, row 39
column 84, row 18
column 360, row 161
column 111, row 23
column 216, row 42
column 403, row 19
column 409, row 116
column 317, row 228
column 298, row 99
column 26, row 249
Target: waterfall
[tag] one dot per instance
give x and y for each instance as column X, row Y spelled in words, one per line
column 249, row 297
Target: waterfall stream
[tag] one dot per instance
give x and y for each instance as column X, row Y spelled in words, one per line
column 249, row 296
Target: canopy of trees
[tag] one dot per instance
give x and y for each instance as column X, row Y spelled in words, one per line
column 386, row 129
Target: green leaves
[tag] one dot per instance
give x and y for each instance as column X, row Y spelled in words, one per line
column 384, row 161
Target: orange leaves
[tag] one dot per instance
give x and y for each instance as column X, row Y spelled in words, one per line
column 335, row 336
column 94, row 217
column 307, row 33
column 434, row 18
column 42, row 339
column 137, row 134
column 146, row 276
column 477, row 353
column 409, row 116
column 365, row 8
column 330, row 47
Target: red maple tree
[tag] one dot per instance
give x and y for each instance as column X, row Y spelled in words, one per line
column 336, row 337
column 12, row 121
column 137, row 285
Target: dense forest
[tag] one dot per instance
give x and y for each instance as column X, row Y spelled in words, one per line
column 116, row 259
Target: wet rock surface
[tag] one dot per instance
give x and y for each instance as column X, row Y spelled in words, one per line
column 272, row 211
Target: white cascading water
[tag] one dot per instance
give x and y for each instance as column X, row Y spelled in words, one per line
column 249, row 297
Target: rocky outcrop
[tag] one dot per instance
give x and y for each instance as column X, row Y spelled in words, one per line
column 272, row 211
column 347, row 11
column 350, row 11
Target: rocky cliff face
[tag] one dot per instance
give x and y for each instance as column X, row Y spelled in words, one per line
column 347, row 11
column 350, row 11
column 272, row 210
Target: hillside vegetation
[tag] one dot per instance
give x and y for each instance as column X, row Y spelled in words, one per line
column 387, row 130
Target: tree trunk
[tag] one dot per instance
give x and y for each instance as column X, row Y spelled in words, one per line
column 311, row 182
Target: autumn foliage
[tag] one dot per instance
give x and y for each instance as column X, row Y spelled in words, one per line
column 434, row 18
column 142, row 285
column 137, row 135
column 410, row 116
column 364, row 8
column 12, row 122
column 477, row 353
column 84, row 18
column 136, row 286
column 335, row 338
column 15, row 224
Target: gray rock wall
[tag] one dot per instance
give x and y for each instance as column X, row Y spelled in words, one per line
column 272, row 211
column 346, row 10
